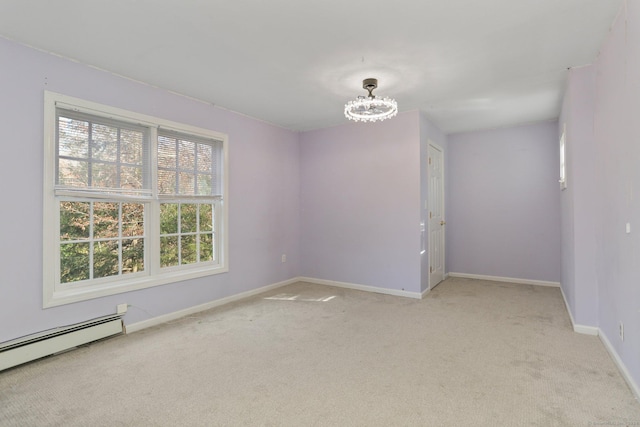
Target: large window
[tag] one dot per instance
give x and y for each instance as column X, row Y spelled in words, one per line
column 130, row 201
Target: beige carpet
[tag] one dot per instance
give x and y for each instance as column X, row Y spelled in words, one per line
column 473, row 353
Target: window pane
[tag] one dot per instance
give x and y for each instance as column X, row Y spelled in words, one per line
column 166, row 152
column 204, row 185
column 97, row 155
column 168, row 218
column 132, row 219
column 104, row 175
column 131, row 144
column 188, row 249
column 105, row 258
column 74, row 220
column 73, row 173
column 204, row 158
column 188, row 218
column 206, row 247
column 166, row 182
column 104, row 143
column 206, row 217
column 73, row 137
column 187, row 155
column 187, row 184
column 168, row 251
column 74, row 262
column 131, row 177
column 105, row 220
column 132, row 255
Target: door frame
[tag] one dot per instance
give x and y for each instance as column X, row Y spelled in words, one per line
column 431, row 144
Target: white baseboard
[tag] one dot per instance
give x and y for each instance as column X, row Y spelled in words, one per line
column 395, row 292
column 621, row 366
column 581, row 329
column 425, row 292
column 158, row 320
column 586, row 330
column 134, row 327
column 506, row 279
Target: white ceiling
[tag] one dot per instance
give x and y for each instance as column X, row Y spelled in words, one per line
column 468, row 64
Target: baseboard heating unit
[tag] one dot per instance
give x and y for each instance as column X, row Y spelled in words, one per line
column 46, row 343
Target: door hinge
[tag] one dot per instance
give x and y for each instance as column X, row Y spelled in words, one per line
column 429, row 214
column 430, row 269
column 429, row 160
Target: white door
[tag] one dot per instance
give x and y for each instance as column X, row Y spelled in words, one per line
column 436, row 215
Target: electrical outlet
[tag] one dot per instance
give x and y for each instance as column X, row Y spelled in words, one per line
column 121, row 308
column 284, row 257
column 621, row 331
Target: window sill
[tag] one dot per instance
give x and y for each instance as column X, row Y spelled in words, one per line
column 57, row 297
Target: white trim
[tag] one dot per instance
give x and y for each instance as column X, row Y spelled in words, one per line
column 506, row 279
column 386, row 291
column 563, row 158
column 581, row 329
column 62, row 297
column 134, row 327
column 425, row 293
column 591, row 330
column 586, row 330
column 620, row 364
column 127, row 116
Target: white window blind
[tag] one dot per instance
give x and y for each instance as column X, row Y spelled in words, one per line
column 188, row 165
column 97, row 155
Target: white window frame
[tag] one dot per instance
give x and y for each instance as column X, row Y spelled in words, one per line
column 55, row 294
column 563, row 159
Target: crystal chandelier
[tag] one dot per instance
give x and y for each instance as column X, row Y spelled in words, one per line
column 369, row 108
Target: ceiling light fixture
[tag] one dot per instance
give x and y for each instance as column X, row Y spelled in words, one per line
column 369, row 108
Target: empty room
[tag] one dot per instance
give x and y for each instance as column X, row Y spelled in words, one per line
column 320, row 213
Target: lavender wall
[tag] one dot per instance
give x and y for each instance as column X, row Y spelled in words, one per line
column 263, row 200
column 503, row 214
column 360, row 211
column 579, row 206
column 617, row 136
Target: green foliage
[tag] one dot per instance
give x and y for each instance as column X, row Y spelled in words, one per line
column 188, row 218
column 168, row 218
column 188, row 249
column 132, row 255
column 132, row 220
column 195, row 224
column 206, row 247
column 103, row 237
column 74, row 262
column 169, row 251
column 105, row 259
column 206, row 217
column 106, row 221
column 114, row 233
column 74, row 220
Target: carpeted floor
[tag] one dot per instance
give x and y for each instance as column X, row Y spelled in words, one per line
column 473, row 353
